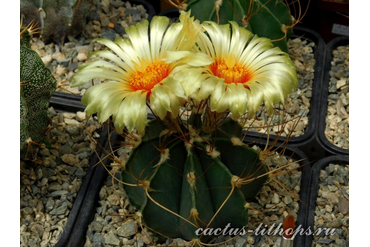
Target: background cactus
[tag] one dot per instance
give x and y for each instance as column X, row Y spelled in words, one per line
column 266, row 18
column 181, row 186
column 59, row 19
column 37, row 86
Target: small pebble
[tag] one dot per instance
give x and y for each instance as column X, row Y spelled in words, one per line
column 48, row 191
column 337, row 119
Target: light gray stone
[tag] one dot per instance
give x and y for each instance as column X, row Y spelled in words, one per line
column 111, row 239
column 127, row 229
column 60, row 210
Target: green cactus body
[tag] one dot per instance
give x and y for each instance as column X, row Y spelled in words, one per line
column 267, row 18
column 37, row 86
column 58, row 18
column 179, row 187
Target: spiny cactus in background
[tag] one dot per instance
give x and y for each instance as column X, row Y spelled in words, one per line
column 59, row 19
column 37, row 86
column 199, row 183
column 266, row 18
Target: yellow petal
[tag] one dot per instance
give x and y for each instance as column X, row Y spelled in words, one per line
column 139, row 112
column 82, row 76
column 191, row 79
column 169, row 42
column 208, row 86
column 188, row 57
column 174, row 102
column 240, row 36
column 223, row 103
column 139, row 39
column 117, row 49
column 160, row 101
column 158, row 26
column 237, row 104
column 255, row 98
column 206, row 46
column 98, row 97
column 219, row 36
column 129, row 55
column 254, row 48
column 112, row 57
column 217, row 94
column 174, row 85
column 190, row 31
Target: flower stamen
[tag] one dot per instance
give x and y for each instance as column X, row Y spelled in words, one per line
column 152, row 74
column 232, row 73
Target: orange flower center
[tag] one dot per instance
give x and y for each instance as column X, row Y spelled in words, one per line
column 146, row 79
column 235, row 73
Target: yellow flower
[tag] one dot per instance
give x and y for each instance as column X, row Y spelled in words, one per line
column 246, row 71
column 142, row 70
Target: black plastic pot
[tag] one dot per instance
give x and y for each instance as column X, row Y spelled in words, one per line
column 146, row 4
column 315, row 174
column 74, row 234
column 328, row 146
column 173, row 14
column 66, row 102
column 156, row 5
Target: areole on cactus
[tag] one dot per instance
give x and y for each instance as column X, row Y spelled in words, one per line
column 194, row 172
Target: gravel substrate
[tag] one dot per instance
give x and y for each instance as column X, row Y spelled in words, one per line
column 332, row 206
column 337, row 119
column 49, row 185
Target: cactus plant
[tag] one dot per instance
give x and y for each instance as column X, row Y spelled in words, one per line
column 183, row 185
column 266, row 18
column 194, row 172
column 57, row 18
column 37, row 86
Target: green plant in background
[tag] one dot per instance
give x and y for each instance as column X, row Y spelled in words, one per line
column 266, row 18
column 189, row 168
column 58, row 19
column 37, row 86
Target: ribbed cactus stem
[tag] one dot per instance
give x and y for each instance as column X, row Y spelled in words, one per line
column 179, row 185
